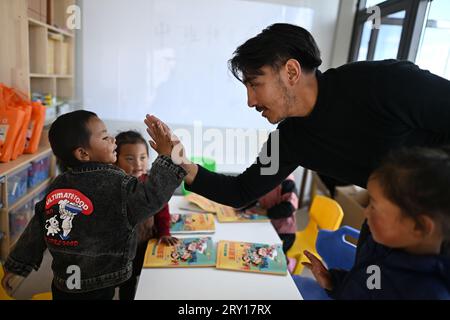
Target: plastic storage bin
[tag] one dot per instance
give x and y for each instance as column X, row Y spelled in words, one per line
column 18, row 220
column 17, row 185
column 38, row 198
column 39, row 171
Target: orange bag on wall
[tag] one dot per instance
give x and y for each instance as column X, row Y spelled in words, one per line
column 11, row 121
column 35, row 127
column 21, row 137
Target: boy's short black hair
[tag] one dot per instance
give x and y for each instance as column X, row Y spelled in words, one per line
column 417, row 180
column 68, row 133
column 130, row 137
column 273, row 47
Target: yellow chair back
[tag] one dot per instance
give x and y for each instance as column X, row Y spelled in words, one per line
column 325, row 213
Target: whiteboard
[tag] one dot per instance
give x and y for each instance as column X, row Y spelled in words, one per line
column 169, row 58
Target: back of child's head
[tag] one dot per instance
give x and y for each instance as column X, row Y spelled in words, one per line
column 130, row 137
column 417, row 180
column 69, row 132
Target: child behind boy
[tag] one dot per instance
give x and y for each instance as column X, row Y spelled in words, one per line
column 88, row 217
column 133, row 157
column 409, row 221
column 280, row 205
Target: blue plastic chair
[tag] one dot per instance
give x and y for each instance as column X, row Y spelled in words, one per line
column 336, row 252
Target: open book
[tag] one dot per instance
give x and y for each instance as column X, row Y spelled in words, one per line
column 202, row 202
column 228, row 214
column 192, row 223
column 251, row 257
column 191, row 252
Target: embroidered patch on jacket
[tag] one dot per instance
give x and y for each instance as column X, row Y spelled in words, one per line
column 63, row 205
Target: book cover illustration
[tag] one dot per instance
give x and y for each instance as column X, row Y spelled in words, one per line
column 228, row 214
column 202, row 202
column 251, row 257
column 189, row 252
column 192, row 223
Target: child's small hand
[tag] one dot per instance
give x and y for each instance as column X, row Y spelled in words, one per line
column 6, row 281
column 168, row 144
column 162, row 141
column 168, row 240
column 176, row 152
column 319, row 271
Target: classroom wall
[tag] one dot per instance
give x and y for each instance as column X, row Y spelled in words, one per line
column 170, row 57
column 326, row 17
column 344, row 30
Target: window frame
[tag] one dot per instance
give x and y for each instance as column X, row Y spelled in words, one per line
column 414, row 23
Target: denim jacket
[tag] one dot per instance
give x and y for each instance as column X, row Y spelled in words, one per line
column 88, row 220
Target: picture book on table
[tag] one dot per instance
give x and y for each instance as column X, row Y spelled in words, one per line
column 228, row 214
column 189, row 252
column 251, row 257
column 192, row 223
column 203, row 203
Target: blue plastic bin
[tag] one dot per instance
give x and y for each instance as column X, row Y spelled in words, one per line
column 17, row 185
column 39, row 171
column 18, row 220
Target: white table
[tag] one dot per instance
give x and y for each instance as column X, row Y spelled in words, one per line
column 214, row 284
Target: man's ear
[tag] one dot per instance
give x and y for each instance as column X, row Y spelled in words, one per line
column 425, row 226
column 294, row 71
column 81, row 154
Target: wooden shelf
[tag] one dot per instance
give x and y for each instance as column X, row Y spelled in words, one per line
column 51, row 76
column 23, row 160
column 50, row 28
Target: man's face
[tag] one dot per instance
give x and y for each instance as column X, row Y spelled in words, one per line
column 269, row 94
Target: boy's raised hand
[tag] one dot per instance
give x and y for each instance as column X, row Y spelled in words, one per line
column 162, row 140
column 159, row 130
column 319, row 271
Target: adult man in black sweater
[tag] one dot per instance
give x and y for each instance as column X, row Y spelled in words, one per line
column 340, row 123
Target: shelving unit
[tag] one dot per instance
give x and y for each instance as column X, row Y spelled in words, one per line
column 52, row 58
column 37, row 57
column 10, row 168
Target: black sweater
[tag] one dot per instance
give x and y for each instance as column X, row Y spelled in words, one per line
column 363, row 111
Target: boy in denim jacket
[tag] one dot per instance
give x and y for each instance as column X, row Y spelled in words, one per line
column 88, row 218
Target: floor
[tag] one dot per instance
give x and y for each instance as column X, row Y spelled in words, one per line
column 40, row 281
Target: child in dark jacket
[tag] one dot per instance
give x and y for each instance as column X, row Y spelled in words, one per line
column 88, row 217
column 133, row 157
column 409, row 220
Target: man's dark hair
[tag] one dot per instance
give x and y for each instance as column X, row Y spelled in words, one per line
column 273, row 47
column 130, row 137
column 417, row 180
column 68, row 133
